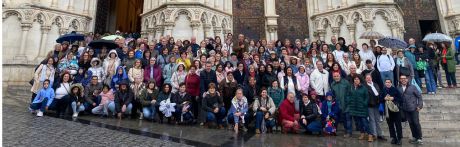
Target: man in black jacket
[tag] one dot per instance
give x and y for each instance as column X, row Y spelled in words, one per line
column 122, row 101
column 375, row 74
column 207, row 76
column 373, row 106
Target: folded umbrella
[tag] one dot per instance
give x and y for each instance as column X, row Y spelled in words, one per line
column 392, row 42
column 71, row 37
column 98, row 44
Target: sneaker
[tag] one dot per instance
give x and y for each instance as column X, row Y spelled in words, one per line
column 39, row 113
column 75, row 115
column 141, row 116
column 412, row 140
column 419, row 141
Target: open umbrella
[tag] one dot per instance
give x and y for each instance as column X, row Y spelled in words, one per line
column 437, row 37
column 71, row 37
column 371, row 35
column 112, row 37
column 457, row 43
column 392, row 42
column 167, row 107
column 98, row 44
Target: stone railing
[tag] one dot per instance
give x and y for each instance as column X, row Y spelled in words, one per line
column 365, row 12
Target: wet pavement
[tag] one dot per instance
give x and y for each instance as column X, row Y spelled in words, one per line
column 21, row 128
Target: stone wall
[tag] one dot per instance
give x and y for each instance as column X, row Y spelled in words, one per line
column 248, row 18
column 414, row 11
column 292, row 20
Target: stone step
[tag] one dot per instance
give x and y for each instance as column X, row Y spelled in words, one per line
column 434, row 116
column 444, row 102
column 441, row 97
column 434, row 133
column 443, row 109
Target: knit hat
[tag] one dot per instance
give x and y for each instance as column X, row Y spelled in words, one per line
column 330, row 94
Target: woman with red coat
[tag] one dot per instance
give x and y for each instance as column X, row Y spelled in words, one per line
column 192, row 82
column 153, row 72
column 288, row 115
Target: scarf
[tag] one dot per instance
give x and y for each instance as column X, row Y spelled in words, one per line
column 444, row 53
column 376, row 93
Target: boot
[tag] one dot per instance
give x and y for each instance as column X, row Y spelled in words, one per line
column 361, row 137
column 371, row 138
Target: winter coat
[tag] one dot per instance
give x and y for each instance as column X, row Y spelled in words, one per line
column 227, row 89
column 237, row 107
column 191, row 82
column 374, row 100
column 341, row 90
column 135, row 72
column 287, row 111
column 267, row 103
column 163, row 96
column 393, row 92
column 146, row 97
column 129, row 62
column 168, row 71
column 117, row 78
column 209, row 102
column 304, row 82
column 357, row 101
column 333, row 113
column 277, row 95
column 239, row 77
column 68, row 64
column 97, row 69
column 157, row 75
column 411, row 98
column 206, row 78
column 42, row 73
column 311, row 111
column 319, row 81
column 179, row 99
column 404, row 63
column 107, row 97
column 123, row 98
column 89, row 90
column 44, row 94
column 451, row 63
column 267, row 79
column 177, row 78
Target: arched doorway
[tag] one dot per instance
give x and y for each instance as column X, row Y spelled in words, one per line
column 120, row 15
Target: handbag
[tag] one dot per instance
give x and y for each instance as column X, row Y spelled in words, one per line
column 404, row 71
column 392, row 106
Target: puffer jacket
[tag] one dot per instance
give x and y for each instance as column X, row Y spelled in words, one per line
column 97, row 69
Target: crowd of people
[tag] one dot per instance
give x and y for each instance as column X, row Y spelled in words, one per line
column 302, row 86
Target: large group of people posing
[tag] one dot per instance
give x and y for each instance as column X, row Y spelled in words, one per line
column 234, row 83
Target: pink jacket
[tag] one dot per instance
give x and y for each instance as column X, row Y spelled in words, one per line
column 304, row 82
column 106, row 97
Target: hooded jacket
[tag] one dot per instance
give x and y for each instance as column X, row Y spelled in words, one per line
column 97, row 69
column 43, row 94
column 237, row 107
column 117, row 78
column 111, row 63
column 304, row 81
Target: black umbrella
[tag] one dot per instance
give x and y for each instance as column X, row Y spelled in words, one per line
column 98, row 44
column 71, row 37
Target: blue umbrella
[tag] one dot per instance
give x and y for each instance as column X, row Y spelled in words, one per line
column 392, row 42
column 457, row 43
column 71, row 37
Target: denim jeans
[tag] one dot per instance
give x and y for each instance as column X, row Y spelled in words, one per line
column 414, row 123
column 149, row 111
column 387, row 75
column 363, row 124
column 348, row 123
column 128, row 108
column 313, row 126
column 429, row 80
column 268, row 123
column 216, row 117
column 41, row 106
column 374, row 126
column 74, row 107
column 451, row 79
column 232, row 119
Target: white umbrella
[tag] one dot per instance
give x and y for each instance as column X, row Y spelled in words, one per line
column 167, row 108
column 437, row 37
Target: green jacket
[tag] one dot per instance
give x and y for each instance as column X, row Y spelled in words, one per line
column 357, row 101
column 146, row 98
column 451, row 63
column 341, row 90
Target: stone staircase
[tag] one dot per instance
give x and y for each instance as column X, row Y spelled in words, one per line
column 439, row 118
column 443, row 76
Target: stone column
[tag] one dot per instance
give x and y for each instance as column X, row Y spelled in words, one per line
column 321, row 34
column 159, row 32
column 25, row 30
column 368, row 25
column 71, row 7
column 450, row 10
column 44, row 37
column 195, row 26
column 335, row 31
column 316, row 6
column 206, row 29
column 272, row 33
column 217, row 31
column 54, row 3
column 168, row 28
column 352, row 28
column 329, row 5
column 86, row 7
column 394, row 28
column 344, row 3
